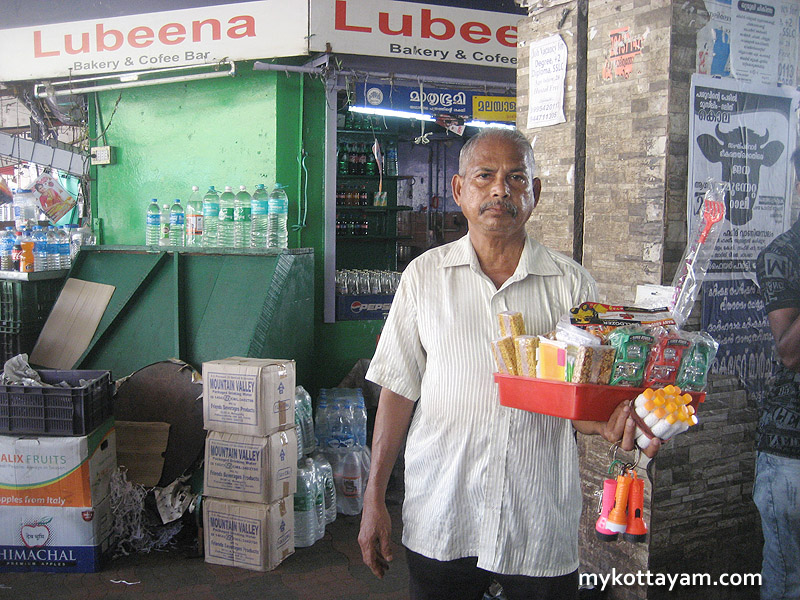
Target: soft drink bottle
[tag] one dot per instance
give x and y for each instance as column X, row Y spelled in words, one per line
column 16, row 252
column 152, row 231
column 227, row 201
column 177, row 224
column 259, row 217
column 278, row 217
column 26, row 257
column 241, row 218
column 210, row 218
column 194, row 218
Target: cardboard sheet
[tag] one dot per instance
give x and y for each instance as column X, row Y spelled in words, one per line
column 141, row 446
column 71, row 324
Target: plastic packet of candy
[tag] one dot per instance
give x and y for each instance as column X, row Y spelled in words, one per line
column 693, row 372
column 662, row 413
column 665, row 356
column 632, row 345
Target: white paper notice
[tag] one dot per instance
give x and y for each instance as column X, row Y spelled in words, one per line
column 548, row 70
column 755, row 30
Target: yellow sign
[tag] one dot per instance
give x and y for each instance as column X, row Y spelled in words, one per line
column 494, row 108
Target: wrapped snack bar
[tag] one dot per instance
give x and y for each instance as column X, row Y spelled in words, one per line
column 525, row 352
column 511, row 323
column 504, row 355
column 593, row 364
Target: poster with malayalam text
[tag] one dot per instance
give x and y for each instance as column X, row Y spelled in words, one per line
column 742, row 135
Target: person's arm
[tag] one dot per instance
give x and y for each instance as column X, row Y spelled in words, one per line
column 785, row 326
column 619, row 428
column 391, row 425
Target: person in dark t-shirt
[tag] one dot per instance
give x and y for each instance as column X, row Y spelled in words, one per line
column 777, row 486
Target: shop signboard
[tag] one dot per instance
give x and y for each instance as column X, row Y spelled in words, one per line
column 416, row 31
column 152, row 40
column 741, row 134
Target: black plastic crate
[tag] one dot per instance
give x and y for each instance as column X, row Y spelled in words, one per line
column 75, row 410
column 18, row 339
column 27, row 302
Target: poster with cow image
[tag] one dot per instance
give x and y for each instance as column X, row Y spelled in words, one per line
column 743, row 135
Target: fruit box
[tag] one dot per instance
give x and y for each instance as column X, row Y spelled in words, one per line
column 583, row 401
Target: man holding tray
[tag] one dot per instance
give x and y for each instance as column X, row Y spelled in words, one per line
column 491, row 492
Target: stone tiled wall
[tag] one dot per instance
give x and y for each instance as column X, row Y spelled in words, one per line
column 640, row 57
column 698, row 506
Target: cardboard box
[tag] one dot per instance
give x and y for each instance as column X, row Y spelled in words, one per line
column 251, row 396
column 249, row 468
column 248, row 535
column 57, row 471
column 53, row 539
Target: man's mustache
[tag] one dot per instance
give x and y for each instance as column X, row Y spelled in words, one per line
column 509, row 206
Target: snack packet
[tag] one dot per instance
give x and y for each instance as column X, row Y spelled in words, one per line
column 693, row 372
column 503, row 352
column 511, row 323
column 525, row 352
column 632, row 345
column 593, row 364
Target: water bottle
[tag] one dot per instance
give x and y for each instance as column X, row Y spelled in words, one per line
column 163, row 239
column 305, row 516
column 321, row 429
column 81, row 236
column 7, row 239
column 241, row 218
column 26, row 211
column 39, row 238
column 319, row 499
column 303, row 404
column 194, row 218
column 177, row 224
column 259, row 217
column 16, row 252
column 360, row 419
column 298, row 427
column 277, row 218
column 53, row 257
column 152, row 231
column 329, row 488
column 350, row 489
column 64, row 258
column 210, row 218
column 227, row 201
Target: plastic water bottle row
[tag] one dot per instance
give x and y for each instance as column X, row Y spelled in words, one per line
column 341, row 419
column 225, row 220
column 40, row 248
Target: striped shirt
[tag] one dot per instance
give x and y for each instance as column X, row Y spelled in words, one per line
column 481, row 479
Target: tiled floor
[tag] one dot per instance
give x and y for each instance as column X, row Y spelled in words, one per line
column 331, row 569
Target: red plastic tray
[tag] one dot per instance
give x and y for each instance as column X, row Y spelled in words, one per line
column 584, row 401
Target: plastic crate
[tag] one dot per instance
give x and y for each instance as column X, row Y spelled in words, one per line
column 18, row 340
column 75, row 410
column 26, row 302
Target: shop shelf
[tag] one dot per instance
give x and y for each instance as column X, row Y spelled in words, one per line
column 74, row 410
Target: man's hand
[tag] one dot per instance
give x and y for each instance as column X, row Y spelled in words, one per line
column 374, row 537
column 619, row 428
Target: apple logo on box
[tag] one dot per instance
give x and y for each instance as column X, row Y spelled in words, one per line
column 36, row 534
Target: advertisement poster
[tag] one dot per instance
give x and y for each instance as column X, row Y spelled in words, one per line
column 757, row 27
column 733, row 313
column 714, row 40
column 741, row 134
column 53, row 199
column 548, row 71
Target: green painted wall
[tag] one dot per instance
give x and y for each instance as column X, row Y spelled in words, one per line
column 252, row 128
